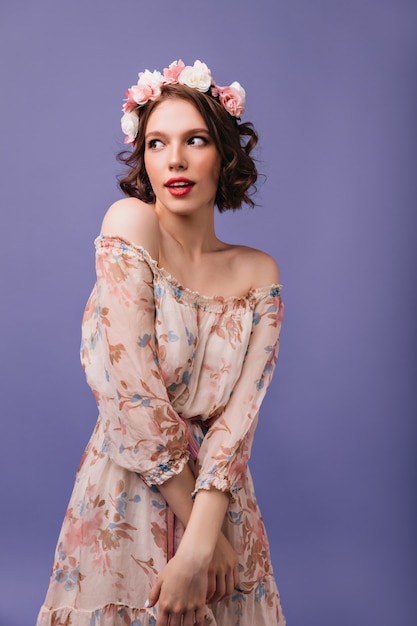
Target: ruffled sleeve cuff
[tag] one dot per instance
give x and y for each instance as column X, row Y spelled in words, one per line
column 162, row 472
column 217, row 481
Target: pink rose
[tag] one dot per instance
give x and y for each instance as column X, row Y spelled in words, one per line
column 142, row 93
column 130, row 103
column 232, row 98
column 148, row 87
column 172, row 72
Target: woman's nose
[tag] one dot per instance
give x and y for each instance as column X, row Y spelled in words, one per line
column 177, row 159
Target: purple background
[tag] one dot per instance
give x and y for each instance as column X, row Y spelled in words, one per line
column 332, row 90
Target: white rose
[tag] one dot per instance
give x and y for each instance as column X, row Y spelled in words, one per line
column 198, row 76
column 240, row 90
column 130, row 124
column 153, row 79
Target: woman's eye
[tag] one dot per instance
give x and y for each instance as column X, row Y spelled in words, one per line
column 154, row 143
column 198, row 141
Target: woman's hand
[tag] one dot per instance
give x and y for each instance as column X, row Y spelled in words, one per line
column 182, row 587
column 181, row 591
column 223, row 572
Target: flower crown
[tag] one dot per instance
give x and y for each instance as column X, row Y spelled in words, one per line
column 197, row 76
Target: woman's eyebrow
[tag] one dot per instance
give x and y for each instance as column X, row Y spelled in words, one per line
column 191, row 131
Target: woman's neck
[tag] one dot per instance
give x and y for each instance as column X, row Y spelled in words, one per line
column 189, row 235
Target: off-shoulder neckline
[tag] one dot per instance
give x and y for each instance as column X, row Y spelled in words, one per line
column 191, row 295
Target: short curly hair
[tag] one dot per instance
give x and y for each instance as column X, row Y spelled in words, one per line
column 233, row 140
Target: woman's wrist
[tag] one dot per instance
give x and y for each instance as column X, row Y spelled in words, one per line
column 196, row 555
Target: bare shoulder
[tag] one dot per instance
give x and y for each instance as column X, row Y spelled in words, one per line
column 134, row 221
column 260, row 266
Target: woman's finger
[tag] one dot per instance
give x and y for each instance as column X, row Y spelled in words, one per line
column 154, row 593
column 236, row 577
column 220, row 588
column 178, row 619
column 230, row 585
column 162, row 618
column 199, row 617
column 211, row 586
column 189, row 618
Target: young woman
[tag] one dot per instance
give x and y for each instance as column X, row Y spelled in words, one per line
column 180, row 339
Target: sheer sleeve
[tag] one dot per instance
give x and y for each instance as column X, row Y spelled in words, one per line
column 226, row 448
column 142, row 431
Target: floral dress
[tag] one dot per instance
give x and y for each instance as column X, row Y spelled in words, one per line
column 178, row 378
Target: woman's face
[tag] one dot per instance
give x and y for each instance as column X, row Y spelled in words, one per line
column 181, row 159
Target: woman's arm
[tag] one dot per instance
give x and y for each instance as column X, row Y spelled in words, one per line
column 222, row 569
column 225, row 450
column 204, row 567
column 177, row 492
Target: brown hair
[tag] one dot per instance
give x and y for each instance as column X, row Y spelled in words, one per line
column 234, row 142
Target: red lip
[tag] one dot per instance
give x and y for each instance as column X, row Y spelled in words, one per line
column 185, row 185
column 179, row 179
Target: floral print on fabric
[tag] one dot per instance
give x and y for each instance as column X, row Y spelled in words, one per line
column 174, row 373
